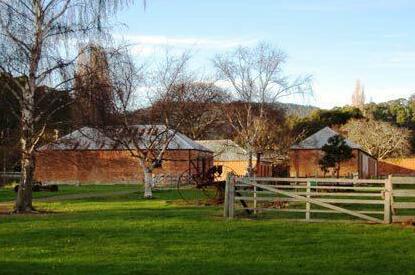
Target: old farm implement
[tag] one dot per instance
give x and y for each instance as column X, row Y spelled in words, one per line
column 208, row 181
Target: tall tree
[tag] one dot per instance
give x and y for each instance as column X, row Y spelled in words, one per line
column 358, row 97
column 92, row 86
column 256, row 78
column 35, row 41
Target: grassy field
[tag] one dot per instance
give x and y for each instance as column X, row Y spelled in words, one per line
column 7, row 194
column 127, row 234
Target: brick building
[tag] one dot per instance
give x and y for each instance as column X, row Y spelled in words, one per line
column 304, row 158
column 87, row 156
column 398, row 167
column 234, row 158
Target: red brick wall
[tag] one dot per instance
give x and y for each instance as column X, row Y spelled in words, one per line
column 304, row 163
column 110, row 166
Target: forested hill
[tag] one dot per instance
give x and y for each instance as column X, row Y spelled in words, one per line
column 297, row 109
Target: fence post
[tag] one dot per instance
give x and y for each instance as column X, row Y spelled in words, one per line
column 307, row 204
column 388, row 198
column 231, row 197
column 226, row 202
column 255, row 201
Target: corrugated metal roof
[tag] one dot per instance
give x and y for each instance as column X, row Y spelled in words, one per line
column 319, row 139
column 88, row 138
column 225, row 150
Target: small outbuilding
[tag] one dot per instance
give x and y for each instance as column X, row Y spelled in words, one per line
column 88, row 156
column 305, row 156
column 233, row 158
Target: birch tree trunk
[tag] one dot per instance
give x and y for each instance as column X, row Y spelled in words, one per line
column 24, row 194
column 148, row 183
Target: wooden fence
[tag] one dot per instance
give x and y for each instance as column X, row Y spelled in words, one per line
column 367, row 200
column 403, row 199
column 9, row 176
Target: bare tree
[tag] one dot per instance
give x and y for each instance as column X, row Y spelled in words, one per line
column 36, row 39
column 256, row 78
column 275, row 136
column 380, row 139
column 196, row 106
column 147, row 142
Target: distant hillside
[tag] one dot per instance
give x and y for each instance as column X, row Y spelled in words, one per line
column 289, row 108
column 297, row 109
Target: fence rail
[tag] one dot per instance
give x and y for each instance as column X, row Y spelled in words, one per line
column 10, row 174
column 403, row 202
column 320, row 180
column 6, row 176
column 377, row 201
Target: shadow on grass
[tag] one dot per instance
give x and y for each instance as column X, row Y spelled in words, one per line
column 128, row 234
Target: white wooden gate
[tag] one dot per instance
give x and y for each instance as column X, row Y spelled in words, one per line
column 311, row 196
column 403, row 199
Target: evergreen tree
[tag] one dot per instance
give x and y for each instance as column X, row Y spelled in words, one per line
column 335, row 151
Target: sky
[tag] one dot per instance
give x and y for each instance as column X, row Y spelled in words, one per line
column 335, row 41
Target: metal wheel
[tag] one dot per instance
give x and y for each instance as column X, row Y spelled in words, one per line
column 199, row 186
column 187, row 186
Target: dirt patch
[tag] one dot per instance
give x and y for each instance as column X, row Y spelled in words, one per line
column 6, row 208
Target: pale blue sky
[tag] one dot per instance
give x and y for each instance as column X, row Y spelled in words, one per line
column 337, row 41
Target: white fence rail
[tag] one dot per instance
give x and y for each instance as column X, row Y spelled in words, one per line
column 403, row 199
column 367, row 200
column 10, row 175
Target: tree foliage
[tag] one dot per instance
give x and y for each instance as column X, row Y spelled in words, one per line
column 400, row 112
column 323, row 118
column 335, row 151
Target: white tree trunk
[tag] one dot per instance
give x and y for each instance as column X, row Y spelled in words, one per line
column 24, row 194
column 148, row 183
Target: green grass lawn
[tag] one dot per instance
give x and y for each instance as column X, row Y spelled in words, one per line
column 7, row 193
column 127, row 234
